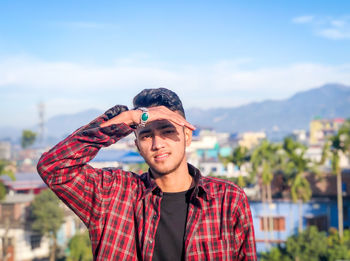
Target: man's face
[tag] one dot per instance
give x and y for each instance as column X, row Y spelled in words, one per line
column 162, row 144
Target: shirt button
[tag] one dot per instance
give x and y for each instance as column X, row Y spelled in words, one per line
column 151, row 241
column 155, row 217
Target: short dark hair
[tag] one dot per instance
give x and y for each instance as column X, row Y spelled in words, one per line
column 159, row 97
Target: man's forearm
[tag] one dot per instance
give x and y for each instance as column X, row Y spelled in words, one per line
column 65, row 170
column 81, row 146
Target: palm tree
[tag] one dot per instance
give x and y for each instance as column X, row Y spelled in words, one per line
column 265, row 161
column 333, row 149
column 239, row 157
column 295, row 167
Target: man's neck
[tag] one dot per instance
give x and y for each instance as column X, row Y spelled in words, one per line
column 177, row 181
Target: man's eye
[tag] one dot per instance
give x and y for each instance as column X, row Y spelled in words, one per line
column 146, row 136
column 169, row 131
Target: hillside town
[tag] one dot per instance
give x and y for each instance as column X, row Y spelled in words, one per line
column 280, row 205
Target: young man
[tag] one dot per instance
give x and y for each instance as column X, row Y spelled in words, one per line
column 169, row 213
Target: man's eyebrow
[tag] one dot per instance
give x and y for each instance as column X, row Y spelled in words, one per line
column 167, row 125
column 161, row 127
column 144, row 131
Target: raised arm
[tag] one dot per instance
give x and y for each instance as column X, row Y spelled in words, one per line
column 133, row 117
column 66, row 171
column 65, row 167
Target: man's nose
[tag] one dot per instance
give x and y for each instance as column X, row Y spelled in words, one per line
column 157, row 142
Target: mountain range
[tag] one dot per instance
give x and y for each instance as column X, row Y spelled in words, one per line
column 296, row 112
column 272, row 116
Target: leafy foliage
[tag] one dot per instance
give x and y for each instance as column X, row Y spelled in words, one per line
column 28, row 138
column 4, row 171
column 265, row 160
column 309, row 245
column 312, row 245
column 80, row 248
column 246, row 180
column 338, row 249
column 239, row 156
column 276, row 254
column 337, row 145
column 47, row 215
column 295, row 166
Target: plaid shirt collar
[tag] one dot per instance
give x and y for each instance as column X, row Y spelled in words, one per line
column 202, row 187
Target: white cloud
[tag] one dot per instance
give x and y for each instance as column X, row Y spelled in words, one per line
column 334, row 33
column 69, row 87
column 303, row 19
column 327, row 27
column 64, row 75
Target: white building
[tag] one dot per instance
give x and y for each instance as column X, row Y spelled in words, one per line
column 5, row 150
column 23, row 244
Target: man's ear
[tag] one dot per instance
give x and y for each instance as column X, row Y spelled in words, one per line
column 188, row 136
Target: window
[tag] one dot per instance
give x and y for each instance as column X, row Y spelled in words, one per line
column 35, row 241
column 278, row 223
column 321, row 222
column 345, row 213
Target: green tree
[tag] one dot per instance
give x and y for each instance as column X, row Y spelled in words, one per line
column 276, row 254
column 312, row 245
column 295, row 167
column 265, row 161
column 47, row 217
column 80, row 248
column 28, row 138
column 4, row 170
column 338, row 145
column 239, row 157
column 338, row 249
column 308, row 245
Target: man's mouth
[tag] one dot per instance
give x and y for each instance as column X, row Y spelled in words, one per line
column 162, row 156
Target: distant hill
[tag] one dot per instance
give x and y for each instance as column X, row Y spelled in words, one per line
column 328, row 101
column 62, row 125
column 273, row 116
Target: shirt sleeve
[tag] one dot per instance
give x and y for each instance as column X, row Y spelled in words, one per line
column 245, row 229
column 66, row 171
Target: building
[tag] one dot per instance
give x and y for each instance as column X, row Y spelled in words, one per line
column 251, row 139
column 25, row 183
column 321, row 129
column 285, row 219
column 275, row 222
column 124, row 159
column 5, row 150
column 16, row 236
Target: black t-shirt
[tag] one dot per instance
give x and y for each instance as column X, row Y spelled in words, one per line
column 169, row 243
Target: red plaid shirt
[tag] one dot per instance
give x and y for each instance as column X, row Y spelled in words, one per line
column 121, row 209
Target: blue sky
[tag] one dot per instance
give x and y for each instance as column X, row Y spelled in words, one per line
column 76, row 55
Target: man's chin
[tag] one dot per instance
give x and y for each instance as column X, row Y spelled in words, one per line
column 159, row 172
column 164, row 168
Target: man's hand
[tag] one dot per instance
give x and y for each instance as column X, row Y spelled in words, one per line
column 133, row 117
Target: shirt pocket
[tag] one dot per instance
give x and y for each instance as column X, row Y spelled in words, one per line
column 215, row 249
